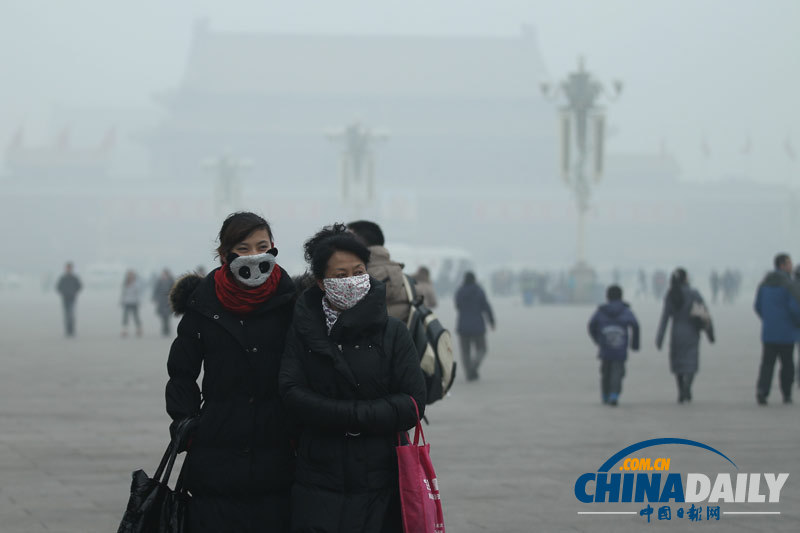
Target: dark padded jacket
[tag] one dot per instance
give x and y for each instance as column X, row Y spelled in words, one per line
column 351, row 392
column 609, row 327
column 472, row 307
column 240, row 447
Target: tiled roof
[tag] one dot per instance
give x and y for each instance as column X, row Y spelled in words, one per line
column 447, row 66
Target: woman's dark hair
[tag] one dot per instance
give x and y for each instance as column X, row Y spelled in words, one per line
column 676, row 283
column 334, row 238
column 469, row 278
column 236, row 228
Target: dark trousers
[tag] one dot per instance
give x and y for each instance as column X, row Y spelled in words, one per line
column 132, row 310
column 471, row 363
column 611, row 374
column 684, row 382
column 772, row 352
column 164, row 324
column 69, row 317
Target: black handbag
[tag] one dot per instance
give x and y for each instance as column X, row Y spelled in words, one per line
column 153, row 507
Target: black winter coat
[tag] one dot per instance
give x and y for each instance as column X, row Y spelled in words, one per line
column 240, row 450
column 351, row 391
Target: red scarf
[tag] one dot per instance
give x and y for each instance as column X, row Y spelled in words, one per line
column 242, row 301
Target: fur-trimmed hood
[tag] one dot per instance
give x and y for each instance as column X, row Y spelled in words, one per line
column 181, row 292
column 196, row 292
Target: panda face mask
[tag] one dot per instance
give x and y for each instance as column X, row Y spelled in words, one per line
column 252, row 270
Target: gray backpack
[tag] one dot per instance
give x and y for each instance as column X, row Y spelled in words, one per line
column 434, row 345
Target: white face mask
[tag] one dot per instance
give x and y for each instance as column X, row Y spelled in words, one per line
column 345, row 293
column 252, row 270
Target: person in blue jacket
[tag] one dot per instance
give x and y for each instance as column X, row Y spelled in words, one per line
column 608, row 328
column 779, row 311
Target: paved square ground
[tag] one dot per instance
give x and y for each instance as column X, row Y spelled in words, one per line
column 78, row 415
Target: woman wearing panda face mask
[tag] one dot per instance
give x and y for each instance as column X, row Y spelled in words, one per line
column 348, row 376
column 240, row 461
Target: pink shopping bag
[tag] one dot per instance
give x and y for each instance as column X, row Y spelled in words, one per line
column 420, row 503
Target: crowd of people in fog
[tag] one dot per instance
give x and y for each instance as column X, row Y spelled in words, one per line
column 132, row 291
column 308, row 381
column 545, row 287
column 614, row 329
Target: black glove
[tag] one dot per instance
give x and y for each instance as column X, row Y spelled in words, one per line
column 182, row 431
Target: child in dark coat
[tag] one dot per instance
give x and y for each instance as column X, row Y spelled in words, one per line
column 609, row 330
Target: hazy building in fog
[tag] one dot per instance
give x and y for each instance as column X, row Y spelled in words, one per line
column 459, row 109
column 60, row 159
column 470, row 163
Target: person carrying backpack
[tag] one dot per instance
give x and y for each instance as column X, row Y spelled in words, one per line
column 382, row 268
column 405, row 302
column 608, row 328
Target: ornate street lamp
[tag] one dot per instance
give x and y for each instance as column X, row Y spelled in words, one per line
column 580, row 114
column 358, row 163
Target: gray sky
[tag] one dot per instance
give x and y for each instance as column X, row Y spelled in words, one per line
column 721, row 70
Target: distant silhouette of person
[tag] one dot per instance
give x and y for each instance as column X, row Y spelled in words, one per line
column 714, row 282
column 161, row 298
column 659, row 284
column 684, row 344
column 424, row 287
column 779, row 311
column 473, row 311
column 641, row 288
column 131, row 295
column 69, row 285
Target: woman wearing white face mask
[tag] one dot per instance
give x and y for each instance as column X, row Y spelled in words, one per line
column 240, row 460
column 348, row 375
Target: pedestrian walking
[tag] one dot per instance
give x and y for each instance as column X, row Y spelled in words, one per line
column 381, row 267
column 348, row 375
column 641, row 287
column 714, row 281
column 659, row 284
column 240, row 461
column 608, row 328
column 473, row 311
column 161, row 289
column 129, row 299
column 795, row 290
column 684, row 343
column 779, row 311
column 424, row 287
column 68, row 286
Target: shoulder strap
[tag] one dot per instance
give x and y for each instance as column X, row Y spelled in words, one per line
column 413, row 299
column 411, row 291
